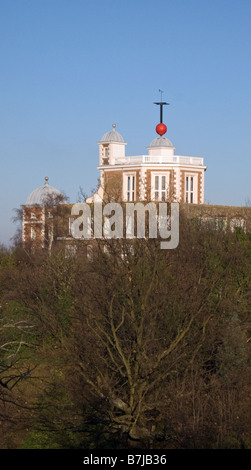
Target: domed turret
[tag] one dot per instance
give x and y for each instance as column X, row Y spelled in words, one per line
column 112, row 136
column 161, row 146
column 111, row 146
column 39, row 195
column 161, row 142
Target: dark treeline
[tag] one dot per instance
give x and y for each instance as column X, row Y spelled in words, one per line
column 133, row 347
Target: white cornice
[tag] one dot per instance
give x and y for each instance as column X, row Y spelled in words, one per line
column 150, row 167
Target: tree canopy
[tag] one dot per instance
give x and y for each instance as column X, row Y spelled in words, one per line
column 133, row 346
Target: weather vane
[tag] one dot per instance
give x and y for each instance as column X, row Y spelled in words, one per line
column 161, row 92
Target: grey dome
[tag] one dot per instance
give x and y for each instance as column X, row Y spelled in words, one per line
column 112, row 136
column 161, row 142
column 39, row 195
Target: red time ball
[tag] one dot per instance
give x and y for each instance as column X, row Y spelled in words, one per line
column 161, row 128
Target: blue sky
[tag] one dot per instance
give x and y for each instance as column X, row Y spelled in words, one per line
column 71, row 68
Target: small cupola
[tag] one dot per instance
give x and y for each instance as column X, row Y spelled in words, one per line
column 161, row 146
column 111, row 146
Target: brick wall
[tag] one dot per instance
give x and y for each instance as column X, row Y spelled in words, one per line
column 113, row 181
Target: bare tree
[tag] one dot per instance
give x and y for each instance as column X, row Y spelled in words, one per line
column 247, row 202
column 141, row 327
column 15, row 328
column 144, row 346
column 11, row 371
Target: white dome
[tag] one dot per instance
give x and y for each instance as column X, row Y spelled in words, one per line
column 112, row 136
column 161, row 142
column 39, row 195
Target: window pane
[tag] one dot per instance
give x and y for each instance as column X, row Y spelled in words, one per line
column 128, row 183
column 133, row 183
column 163, row 182
column 156, row 183
column 187, row 183
column 191, row 183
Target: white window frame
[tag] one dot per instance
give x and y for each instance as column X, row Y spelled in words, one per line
column 129, row 187
column 105, row 153
column 191, row 188
column 33, row 233
column 162, row 192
